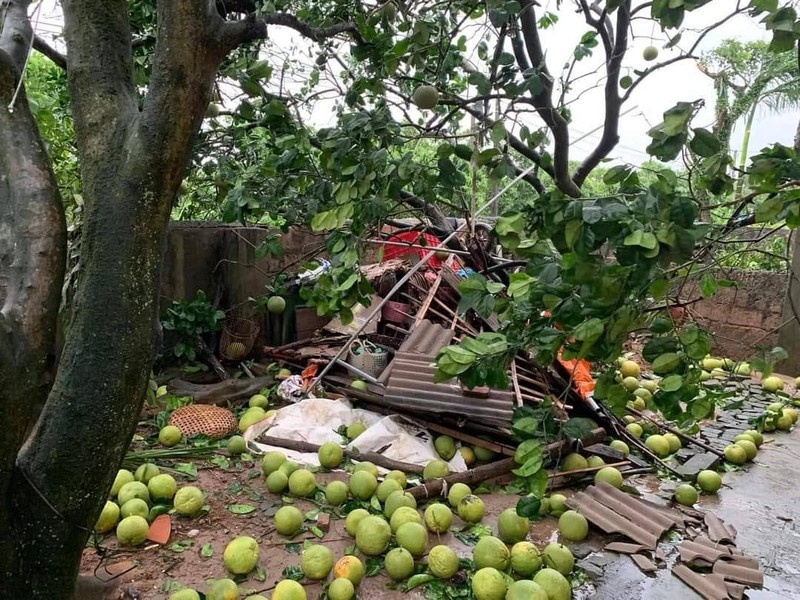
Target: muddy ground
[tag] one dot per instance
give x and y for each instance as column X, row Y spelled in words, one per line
column 760, row 501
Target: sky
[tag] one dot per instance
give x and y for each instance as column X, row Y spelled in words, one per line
column 660, row 91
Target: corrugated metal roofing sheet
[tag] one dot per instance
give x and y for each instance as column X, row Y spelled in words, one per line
column 426, row 339
column 410, row 386
column 614, row 511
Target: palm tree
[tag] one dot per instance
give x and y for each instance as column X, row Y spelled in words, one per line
column 748, row 77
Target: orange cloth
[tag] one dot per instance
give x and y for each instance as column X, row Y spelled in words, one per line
column 580, row 371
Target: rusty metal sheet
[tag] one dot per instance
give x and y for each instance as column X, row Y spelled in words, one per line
column 745, row 571
column 718, row 530
column 410, row 386
column 710, row 587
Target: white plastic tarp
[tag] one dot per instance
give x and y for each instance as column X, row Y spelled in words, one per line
column 316, row 420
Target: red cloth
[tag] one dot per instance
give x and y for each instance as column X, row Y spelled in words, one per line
column 412, row 237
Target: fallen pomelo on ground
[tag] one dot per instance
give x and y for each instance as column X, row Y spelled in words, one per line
column 709, row 481
column 686, row 494
column 302, row 483
column 108, row 519
column 350, row 567
column 241, row 555
column 372, row 535
column 341, row 589
column 316, row 561
column 413, row 537
column 525, row 559
column 526, row 590
column 223, row 589
column 491, row 552
column 554, row 583
column 288, row 589
column 610, row 475
column 169, row 436
column 559, row 557
column 457, row 492
column 438, row 518
column 363, row 484
column 330, row 455
column 132, row 531
column 573, row 526
column 403, row 515
column 188, row 501
column 511, row 528
column 336, row 492
column 489, row 584
column 442, row 561
column 288, row 520
column 471, row 509
column 236, row 445
column 398, row 563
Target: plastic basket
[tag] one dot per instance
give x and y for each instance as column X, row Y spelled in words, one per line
column 368, row 357
column 238, row 336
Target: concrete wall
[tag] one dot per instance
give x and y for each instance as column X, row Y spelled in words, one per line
column 742, row 317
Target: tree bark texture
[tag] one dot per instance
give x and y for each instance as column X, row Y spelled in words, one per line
column 132, row 161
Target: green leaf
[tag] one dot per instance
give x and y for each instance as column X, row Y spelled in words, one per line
column 708, row 285
column 704, row 143
column 519, row 285
column 529, row 507
column 577, row 428
column 634, row 238
column 676, row 119
column 527, row 450
column 617, row 174
column 206, row 551
column 241, row 509
column 666, row 363
column 671, row 383
column 572, row 232
column 589, row 331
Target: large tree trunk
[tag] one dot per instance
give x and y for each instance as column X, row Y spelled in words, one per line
column 132, row 162
column 32, row 255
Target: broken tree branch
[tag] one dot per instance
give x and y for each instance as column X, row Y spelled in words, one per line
column 229, row 390
column 373, row 457
column 436, row 487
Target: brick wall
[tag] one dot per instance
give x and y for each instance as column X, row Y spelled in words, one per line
column 742, row 317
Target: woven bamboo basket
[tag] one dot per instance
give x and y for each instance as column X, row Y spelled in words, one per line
column 195, row 419
column 237, row 339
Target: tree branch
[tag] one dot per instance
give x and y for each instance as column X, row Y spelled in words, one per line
column 613, row 102
column 41, row 46
column 254, row 27
column 543, row 100
column 16, row 32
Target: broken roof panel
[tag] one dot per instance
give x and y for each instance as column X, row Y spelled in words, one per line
column 410, row 386
column 710, row 587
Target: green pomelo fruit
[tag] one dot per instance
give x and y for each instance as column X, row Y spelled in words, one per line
column 629, row 368
column 316, row 561
column 241, row 555
column 134, row 489
column 686, row 494
column 709, row 481
column 236, row 445
column 558, row 557
column 573, row 526
column 188, row 501
column 123, row 476
column 511, row 528
column 482, row 454
column 132, row 531
column 146, row 472
column 735, row 454
column 134, row 506
column 341, row 589
column 355, row 429
column 457, row 492
column 276, row 305
column 658, row 445
column 749, row 447
column 373, row 535
column 223, row 589
column 399, row 564
column 525, row 590
column 471, row 509
column 403, row 515
column 396, row 500
column 554, row 583
column 363, row 484
column 354, row 517
column 610, row 475
column 674, row 442
column 595, row 461
column 491, row 552
column 185, row 594
column 169, row 436
column 108, row 519
column 288, row 589
column 386, row 487
column 259, row 400
column 302, row 483
column 558, row 504
column 399, row 477
column 413, row 537
column 277, row 482
column 445, row 447
column 758, row 439
column 366, row 466
column 442, row 562
column 435, row 469
column 573, row 462
column 438, row 517
column 330, row 455
column 288, row 520
column 162, row 488
column 630, row 383
column 525, row 559
column 489, row 584
column 634, row 429
column 272, row 461
column 425, row 97
column 336, row 493
column 620, row 446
